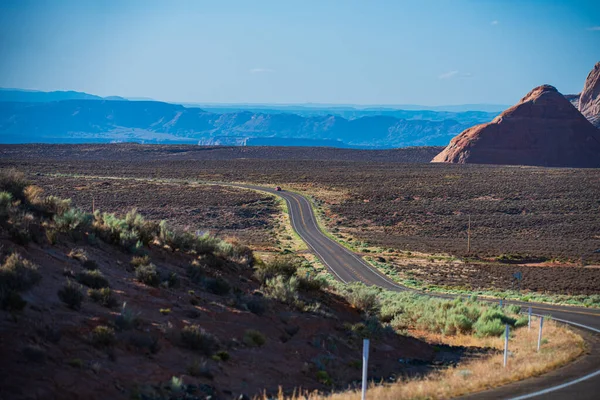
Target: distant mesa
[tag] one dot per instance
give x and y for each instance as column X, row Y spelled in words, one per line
column 589, row 100
column 543, row 129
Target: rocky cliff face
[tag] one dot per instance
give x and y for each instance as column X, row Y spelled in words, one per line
column 543, row 129
column 589, row 101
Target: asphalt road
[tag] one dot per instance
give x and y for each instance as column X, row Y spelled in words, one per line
column 578, row 380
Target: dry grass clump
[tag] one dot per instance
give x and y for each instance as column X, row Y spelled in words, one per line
column 562, row 346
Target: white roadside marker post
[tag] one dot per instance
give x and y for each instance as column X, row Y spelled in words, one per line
column 529, row 320
column 540, row 334
column 364, row 369
column 506, row 345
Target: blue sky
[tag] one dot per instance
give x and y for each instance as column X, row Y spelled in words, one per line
column 428, row 52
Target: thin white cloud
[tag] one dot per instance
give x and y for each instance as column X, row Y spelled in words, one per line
column 448, row 75
column 261, row 70
column 495, row 22
column 455, row 74
column 594, row 28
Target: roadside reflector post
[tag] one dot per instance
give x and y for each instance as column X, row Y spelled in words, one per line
column 529, row 319
column 540, row 333
column 364, row 369
column 506, row 329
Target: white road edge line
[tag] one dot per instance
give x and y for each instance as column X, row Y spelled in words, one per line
column 294, row 226
column 567, row 384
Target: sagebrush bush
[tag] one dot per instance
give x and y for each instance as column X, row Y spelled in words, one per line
column 254, row 338
column 218, row 286
column 94, row 279
column 362, row 297
column 148, row 275
column 71, row 295
column 196, row 338
column 221, row 355
column 13, row 182
column 139, row 261
column 6, row 200
column 72, row 220
column 256, row 305
column 103, row 336
column 126, row 319
column 493, row 327
column 285, row 266
column 104, row 297
column 78, row 254
column 282, row 289
column 18, row 274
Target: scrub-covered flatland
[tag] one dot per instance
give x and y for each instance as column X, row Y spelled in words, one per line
column 226, row 211
column 547, row 217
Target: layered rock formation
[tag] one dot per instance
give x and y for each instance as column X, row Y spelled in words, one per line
column 589, row 100
column 543, row 129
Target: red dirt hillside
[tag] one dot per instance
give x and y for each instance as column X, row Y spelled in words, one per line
column 543, row 129
column 589, row 100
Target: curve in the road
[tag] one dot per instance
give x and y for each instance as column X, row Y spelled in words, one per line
column 579, row 380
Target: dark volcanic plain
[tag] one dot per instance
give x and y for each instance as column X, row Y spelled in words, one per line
column 397, row 200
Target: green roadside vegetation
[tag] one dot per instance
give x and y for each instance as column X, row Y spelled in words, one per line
column 590, row 301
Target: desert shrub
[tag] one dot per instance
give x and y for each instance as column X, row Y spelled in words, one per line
column 197, row 339
column 78, row 254
column 458, row 323
column 171, row 280
column 221, row 355
column 256, row 305
column 71, row 295
column 6, row 200
column 139, row 261
column 207, row 244
column 18, row 274
column 324, row 378
column 494, row 327
column 131, row 232
column 53, row 205
column 94, row 279
column 235, row 250
column 195, row 272
column 217, row 286
column 199, row 369
column 311, row 284
column 148, row 275
column 11, row 300
column 71, row 220
column 13, row 182
column 362, row 297
column 104, row 297
column 253, row 338
column 285, row 266
column 126, row 319
column 103, row 336
column 282, row 289
column 513, row 309
column 522, row 321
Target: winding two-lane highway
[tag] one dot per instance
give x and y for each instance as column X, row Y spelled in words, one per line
column 578, row 380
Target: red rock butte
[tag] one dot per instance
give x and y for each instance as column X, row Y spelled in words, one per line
column 589, row 100
column 543, row 129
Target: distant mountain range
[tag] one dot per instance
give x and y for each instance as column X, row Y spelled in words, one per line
column 36, row 96
column 76, row 117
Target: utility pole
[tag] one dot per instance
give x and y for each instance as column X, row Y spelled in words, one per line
column 469, row 237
